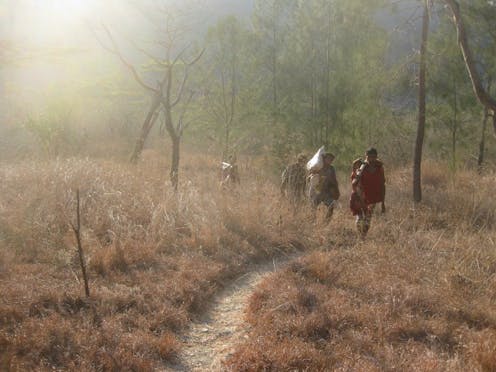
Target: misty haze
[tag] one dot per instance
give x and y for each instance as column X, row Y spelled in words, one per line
column 247, row 185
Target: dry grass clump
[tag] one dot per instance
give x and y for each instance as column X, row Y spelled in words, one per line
column 418, row 294
column 155, row 258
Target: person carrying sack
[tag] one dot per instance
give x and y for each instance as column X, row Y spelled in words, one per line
column 230, row 173
column 368, row 189
column 327, row 190
column 293, row 180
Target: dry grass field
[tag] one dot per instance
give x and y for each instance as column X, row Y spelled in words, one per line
column 418, row 294
column 154, row 258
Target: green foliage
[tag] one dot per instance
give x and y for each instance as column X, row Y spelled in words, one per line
column 54, row 129
column 290, row 77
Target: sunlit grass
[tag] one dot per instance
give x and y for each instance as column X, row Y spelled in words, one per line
column 418, row 292
column 154, row 257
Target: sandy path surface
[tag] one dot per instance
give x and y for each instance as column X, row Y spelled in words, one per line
column 212, row 339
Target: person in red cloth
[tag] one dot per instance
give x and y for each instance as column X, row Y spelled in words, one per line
column 368, row 189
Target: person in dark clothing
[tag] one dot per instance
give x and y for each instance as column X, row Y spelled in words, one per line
column 368, row 189
column 293, row 180
column 326, row 189
column 230, row 173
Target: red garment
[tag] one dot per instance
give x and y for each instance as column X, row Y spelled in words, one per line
column 372, row 183
column 356, row 203
column 369, row 190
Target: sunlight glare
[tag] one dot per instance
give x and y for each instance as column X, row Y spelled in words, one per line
column 69, row 9
column 53, row 21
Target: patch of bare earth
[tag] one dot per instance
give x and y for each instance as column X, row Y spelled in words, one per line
column 213, row 337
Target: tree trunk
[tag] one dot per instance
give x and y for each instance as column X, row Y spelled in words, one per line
column 419, row 142
column 174, row 171
column 328, row 78
column 150, row 119
column 454, row 128
column 226, row 144
column 482, row 143
column 275, row 112
column 482, row 95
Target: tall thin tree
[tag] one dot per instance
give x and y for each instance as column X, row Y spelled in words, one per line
column 482, row 94
column 419, row 142
column 162, row 97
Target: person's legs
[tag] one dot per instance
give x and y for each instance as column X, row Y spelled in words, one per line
column 329, row 202
column 364, row 219
column 315, row 200
column 362, row 224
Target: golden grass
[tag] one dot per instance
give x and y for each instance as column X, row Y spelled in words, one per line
column 418, row 294
column 154, row 258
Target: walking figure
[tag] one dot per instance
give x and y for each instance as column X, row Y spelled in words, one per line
column 230, row 173
column 324, row 186
column 293, row 180
column 368, row 189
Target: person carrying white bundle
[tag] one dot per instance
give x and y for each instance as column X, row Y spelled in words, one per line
column 323, row 184
column 293, row 180
column 316, row 163
column 230, row 173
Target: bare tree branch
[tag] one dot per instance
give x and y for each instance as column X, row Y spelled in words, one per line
column 115, row 50
column 482, row 95
column 181, row 89
column 191, row 63
column 77, row 232
column 155, row 59
column 180, row 126
column 186, row 73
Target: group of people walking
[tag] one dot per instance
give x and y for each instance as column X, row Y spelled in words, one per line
column 368, row 186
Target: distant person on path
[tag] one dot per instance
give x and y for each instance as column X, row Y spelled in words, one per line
column 326, row 190
column 230, row 173
column 293, row 180
column 368, row 188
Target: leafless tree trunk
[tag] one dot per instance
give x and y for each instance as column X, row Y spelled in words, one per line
column 162, row 97
column 328, row 77
column 229, row 108
column 419, row 142
column 150, row 119
column 275, row 108
column 77, row 233
column 482, row 143
column 175, row 131
column 482, row 95
column 454, row 125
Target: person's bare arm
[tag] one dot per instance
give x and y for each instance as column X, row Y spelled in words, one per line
column 383, row 206
column 284, row 180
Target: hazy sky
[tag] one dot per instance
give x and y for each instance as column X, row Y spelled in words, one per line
column 51, row 44
column 41, row 23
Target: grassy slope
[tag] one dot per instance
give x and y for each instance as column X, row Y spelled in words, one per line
column 419, row 293
column 154, row 258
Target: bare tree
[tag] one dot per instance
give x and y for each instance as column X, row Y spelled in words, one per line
column 482, row 143
column 419, row 142
column 77, row 232
column 481, row 93
column 164, row 97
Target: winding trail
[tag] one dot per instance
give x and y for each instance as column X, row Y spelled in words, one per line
column 212, row 339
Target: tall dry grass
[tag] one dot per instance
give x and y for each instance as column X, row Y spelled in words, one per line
column 154, row 257
column 418, row 294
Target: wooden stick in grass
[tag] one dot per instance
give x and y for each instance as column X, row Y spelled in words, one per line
column 77, row 232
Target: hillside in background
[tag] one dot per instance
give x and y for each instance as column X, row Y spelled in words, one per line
column 128, row 244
